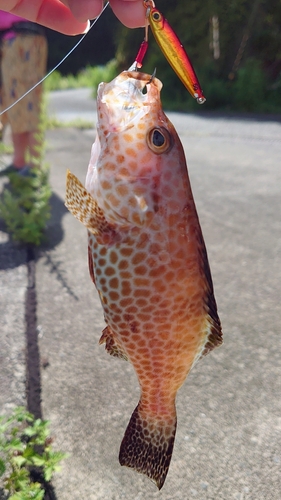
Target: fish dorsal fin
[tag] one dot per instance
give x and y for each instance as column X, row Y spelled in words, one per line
column 84, row 208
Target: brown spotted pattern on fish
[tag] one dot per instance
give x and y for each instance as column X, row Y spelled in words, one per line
column 147, row 259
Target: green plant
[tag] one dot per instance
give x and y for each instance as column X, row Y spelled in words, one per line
column 24, row 206
column 79, row 123
column 90, row 77
column 249, row 88
column 25, row 448
column 5, row 148
column 103, row 74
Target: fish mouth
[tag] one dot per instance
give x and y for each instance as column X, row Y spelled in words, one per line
column 123, row 101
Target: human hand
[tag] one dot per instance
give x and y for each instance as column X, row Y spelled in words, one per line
column 129, row 12
column 70, row 16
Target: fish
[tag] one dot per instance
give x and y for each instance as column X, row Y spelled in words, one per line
column 173, row 50
column 147, row 259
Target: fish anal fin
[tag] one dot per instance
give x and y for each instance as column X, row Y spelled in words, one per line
column 84, row 208
column 147, row 446
column 111, row 345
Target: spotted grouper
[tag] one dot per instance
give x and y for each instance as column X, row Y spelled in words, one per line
column 147, row 258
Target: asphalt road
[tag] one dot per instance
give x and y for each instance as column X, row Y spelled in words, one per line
column 228, row 443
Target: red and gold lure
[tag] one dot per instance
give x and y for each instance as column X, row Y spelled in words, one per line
column 173, row 50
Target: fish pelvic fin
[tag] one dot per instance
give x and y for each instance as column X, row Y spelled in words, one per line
column 111, row 344
column 147, row 446
column 84, row 208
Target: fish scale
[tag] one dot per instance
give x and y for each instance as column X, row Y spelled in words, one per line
column 147, row 258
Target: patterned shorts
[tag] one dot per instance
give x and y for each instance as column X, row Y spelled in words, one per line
column 23, row 64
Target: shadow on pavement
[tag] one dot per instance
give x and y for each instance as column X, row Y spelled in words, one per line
column 54, row 231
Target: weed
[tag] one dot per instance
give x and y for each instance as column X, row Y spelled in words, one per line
column 24, row 205
column 25, row 448
column 249, row 89
column 5, row 149
column 89, row 77
column 79, row 123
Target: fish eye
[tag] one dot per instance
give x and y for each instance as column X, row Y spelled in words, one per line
column 159, row 140
column 156, row 16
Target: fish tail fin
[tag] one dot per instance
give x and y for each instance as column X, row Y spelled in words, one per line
column 148, row 444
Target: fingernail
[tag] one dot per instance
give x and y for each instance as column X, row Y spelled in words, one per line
column 88, row 27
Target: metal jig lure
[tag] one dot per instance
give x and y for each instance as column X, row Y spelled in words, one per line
column 173, row 50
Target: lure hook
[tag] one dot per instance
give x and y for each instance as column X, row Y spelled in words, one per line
column 148, row 4
column 137, row 64
column 152, row 76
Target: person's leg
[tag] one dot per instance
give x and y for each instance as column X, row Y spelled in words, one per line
column 23, row 65
column 21, row 144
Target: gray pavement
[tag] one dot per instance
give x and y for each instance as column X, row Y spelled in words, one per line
column 72, row 104
column 228, row 443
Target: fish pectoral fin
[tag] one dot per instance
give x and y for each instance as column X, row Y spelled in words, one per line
column 147, row 445
column 84, row 208
column 111, row 345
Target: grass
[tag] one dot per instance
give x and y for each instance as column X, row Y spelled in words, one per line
column 25, row 453
column 90, row 77
column 6, row 149
column 24, row 204
column 53, row 122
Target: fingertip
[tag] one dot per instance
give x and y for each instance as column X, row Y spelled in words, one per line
column 87, row 28
column 130, row 12
column 58, row 17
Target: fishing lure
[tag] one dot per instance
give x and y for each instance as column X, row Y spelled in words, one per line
column 173, row 50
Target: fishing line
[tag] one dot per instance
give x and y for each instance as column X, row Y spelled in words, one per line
column 52, row 70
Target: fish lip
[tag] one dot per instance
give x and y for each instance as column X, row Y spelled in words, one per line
column 145, row 78
column 128, row 79
column 122, row 101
